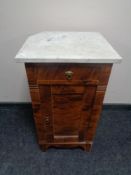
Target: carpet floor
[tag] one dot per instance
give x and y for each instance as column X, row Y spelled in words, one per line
column 20, row 153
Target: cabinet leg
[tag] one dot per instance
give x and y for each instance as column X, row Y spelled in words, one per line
column 87, row 147
column 44, row 147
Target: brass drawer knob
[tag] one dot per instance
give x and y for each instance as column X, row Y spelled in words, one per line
column 69, row 74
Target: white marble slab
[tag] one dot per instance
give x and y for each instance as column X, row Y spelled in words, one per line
column 67, row 47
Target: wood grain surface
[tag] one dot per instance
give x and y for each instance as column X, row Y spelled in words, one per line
column 67, row 111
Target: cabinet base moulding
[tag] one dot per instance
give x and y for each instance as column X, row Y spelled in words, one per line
column 85, row 146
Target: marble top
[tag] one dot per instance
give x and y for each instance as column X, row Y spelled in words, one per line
column 67, row 47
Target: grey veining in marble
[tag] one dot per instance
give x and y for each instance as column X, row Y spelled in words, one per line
column 67, row 47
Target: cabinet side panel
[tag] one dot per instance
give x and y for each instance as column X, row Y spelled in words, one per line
column 98, row 103
column 31, row 71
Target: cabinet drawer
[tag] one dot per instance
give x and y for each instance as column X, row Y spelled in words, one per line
column 60, row 72
column 39, row 72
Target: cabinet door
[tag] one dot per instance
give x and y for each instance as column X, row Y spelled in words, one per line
column 66, row 107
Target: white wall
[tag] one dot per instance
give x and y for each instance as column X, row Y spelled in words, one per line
column 21, row 18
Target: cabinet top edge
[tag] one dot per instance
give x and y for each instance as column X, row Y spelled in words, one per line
column 67, row 47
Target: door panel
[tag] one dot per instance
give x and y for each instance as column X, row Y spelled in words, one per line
column 66, row 108
column 66, row 113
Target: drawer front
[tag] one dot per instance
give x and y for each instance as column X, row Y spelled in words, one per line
column 71, row 72
column 39, row 72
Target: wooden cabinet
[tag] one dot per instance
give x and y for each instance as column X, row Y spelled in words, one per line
column 68, row 74
column 67, row 100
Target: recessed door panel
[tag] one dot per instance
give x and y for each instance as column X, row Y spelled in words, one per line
column 68, row 108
